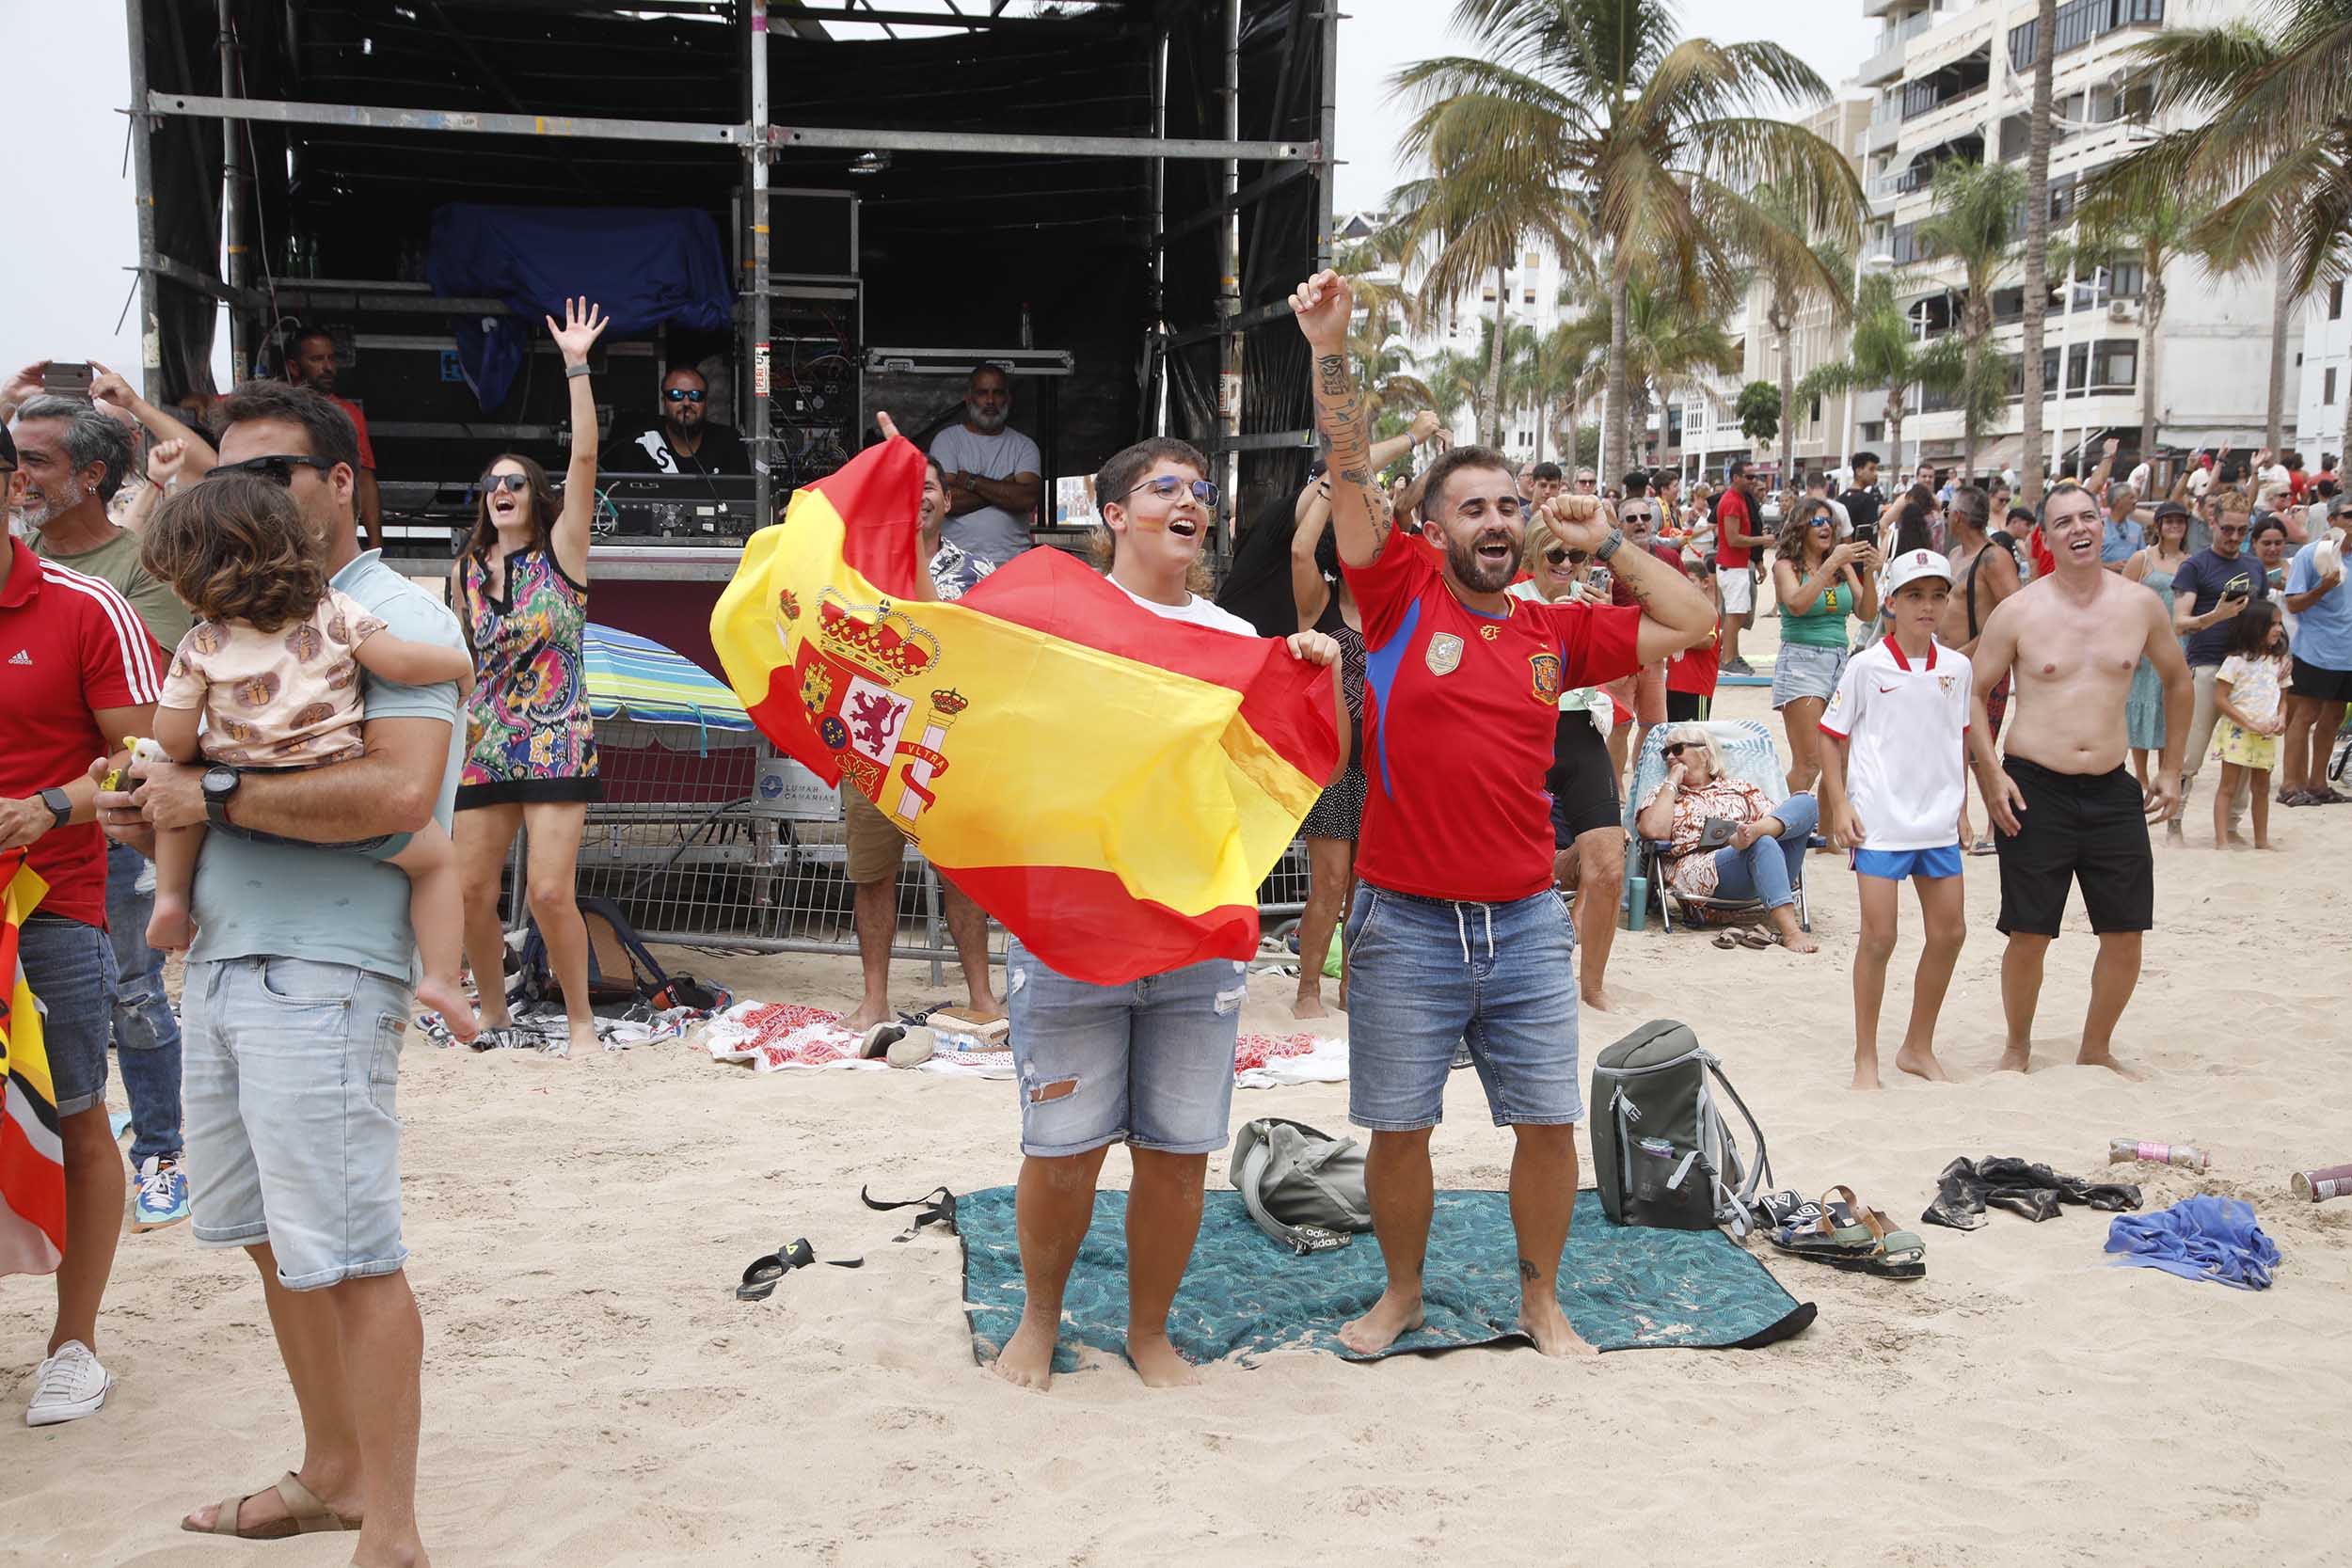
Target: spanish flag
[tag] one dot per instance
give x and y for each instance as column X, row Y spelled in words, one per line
column 1110, row 784
column 32, row 1155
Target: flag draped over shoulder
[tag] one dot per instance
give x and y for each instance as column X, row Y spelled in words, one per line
column 1110, row 784
column 32, row 1155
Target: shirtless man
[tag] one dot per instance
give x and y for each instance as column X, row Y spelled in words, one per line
column 1985, row 572
column 2066, row 805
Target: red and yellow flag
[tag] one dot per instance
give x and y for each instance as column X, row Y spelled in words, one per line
column 32, row 1155
column 1111, row 785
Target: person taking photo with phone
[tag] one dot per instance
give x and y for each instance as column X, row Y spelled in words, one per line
column 2208, row 591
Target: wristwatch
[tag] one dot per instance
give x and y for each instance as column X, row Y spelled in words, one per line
column 1609, row 545
column 61, row 806
column 220, row 786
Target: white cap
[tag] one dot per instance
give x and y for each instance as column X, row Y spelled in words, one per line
column 1912, row 565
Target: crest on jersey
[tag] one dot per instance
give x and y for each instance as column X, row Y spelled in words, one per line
column 1547, row 673
column 1444, row 655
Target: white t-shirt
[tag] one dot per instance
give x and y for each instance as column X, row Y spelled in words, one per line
column 2200, row 480
column 1195, row 608
column 2276, row 474
column 987, row 534
column 1906, row 728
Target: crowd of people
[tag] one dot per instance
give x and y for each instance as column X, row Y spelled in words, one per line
column 1503, row 642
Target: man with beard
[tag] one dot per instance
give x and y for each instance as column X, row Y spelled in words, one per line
column 993, row 483
column 311, row 362
column 683, row 441
column 76, row 458
column 1456, row 936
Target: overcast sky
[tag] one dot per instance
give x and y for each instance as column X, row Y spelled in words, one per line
column 66, row 191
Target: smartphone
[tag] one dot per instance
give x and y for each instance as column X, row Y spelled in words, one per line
column 1866, row 533
column 67, row 379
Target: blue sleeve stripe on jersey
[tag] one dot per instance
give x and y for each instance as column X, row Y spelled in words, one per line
column 1380, row 667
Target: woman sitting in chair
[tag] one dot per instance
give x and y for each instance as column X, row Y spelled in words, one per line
column 1724, row 838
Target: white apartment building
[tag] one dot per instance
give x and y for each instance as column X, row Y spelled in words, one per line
column 1954, row 79
column 2324, row 377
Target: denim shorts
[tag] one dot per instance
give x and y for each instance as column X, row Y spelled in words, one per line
column 1425, row 973
column 1800, row 670
column 1148, row 1062
column 71, row 968
column 291, row 1102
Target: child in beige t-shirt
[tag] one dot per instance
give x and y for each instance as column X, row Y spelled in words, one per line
column 272, row 666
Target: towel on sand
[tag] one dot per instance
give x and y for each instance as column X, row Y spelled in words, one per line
column 2199, row 1238
column 2007, row 1182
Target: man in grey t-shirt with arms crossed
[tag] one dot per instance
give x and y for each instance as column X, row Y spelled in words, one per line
column 991, row 474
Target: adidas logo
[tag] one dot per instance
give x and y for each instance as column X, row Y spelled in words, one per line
column 23, row 656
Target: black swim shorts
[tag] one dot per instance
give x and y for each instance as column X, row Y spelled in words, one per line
column 2087, row 827
column 2320, row 684
column 1582, row 782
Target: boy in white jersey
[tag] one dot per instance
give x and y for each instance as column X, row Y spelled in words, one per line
column 1895, row 780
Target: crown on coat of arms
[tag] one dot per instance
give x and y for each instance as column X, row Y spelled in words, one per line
column 950, row 702
column 875, row 636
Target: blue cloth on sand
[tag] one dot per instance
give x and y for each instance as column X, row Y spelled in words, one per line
column 2199, row 1238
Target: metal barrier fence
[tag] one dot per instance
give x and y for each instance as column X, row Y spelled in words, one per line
column 713, row 840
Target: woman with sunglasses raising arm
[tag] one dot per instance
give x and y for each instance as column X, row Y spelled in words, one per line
column 520, row 587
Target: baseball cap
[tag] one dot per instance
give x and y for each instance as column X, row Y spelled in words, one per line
column 1910, row 566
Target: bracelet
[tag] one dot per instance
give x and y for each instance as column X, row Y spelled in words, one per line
column 572, row 371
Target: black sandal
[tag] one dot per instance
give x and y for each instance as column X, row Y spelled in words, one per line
column 761, row 1278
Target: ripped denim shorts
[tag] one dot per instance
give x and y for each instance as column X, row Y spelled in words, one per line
column 1148, row 1062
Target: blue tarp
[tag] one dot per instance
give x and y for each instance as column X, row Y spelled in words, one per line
column 645, row 265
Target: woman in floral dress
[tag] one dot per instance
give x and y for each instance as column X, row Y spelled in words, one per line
column 521, row 588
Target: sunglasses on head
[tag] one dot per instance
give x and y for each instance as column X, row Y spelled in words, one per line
column 1168, row 487
column 682, row 394
column 279, row 470
column 493, row 484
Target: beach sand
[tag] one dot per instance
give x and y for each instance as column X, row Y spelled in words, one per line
column 593, row 1393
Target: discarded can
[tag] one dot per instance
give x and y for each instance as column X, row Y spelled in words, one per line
column 2318, row 1186
column 2124, row 1151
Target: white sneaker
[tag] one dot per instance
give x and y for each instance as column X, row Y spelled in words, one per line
column 67, row 1387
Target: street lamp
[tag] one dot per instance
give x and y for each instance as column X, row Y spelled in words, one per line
column 1845, row 431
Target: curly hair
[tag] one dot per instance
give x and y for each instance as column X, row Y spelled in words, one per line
column 235, row 549
column 1796, row 527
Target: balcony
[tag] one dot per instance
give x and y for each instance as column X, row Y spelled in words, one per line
column 1947, row 85
column 2078, row 22
column 1885, row 61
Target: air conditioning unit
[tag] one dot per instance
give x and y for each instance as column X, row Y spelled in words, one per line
column 2122, row 309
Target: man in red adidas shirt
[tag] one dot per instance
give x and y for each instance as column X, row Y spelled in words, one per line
column 77, row 673
column 1737, row 540
column 1457, row 934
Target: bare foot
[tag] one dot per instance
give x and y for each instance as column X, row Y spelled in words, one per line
column 171, row 930
column 1549, row 1327
column 2015, row 1059
column 1596, row 998
column 1378, row 1329
column 1922, row 1064
column 1028, row 1360
column 2237, row 841
column 1865, row 1075
column 266, row 1508
column 2107, row 1059
column 2172, row 833
column 582, row 1033
column 448, row 998
column 1308, row 1006
column 1159, row 1363
column 2264, row 844
column 1801, row 943
column 868, row 1015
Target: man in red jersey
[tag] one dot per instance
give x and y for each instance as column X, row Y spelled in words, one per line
column 1738, row 537
column 1457, row 935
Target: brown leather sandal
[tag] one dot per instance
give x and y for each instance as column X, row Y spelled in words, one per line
column 305, row 1514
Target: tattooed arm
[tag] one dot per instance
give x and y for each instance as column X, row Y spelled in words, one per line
column 1324, row 305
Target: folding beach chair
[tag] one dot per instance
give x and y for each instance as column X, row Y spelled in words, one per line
column 1749, row 755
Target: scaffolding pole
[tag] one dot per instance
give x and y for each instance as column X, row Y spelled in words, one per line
column 143, row 193
column 1229, row 291
column 1327, row 138
column 232, row 201
column 755, row 154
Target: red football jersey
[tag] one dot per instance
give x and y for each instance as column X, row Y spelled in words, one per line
column 1459, row 709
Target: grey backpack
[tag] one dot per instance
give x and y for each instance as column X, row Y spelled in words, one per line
column 1304, row 1188
column 1661, row 1154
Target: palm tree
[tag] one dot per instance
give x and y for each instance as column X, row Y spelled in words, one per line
column 1791, row 291
column 1885, row 353
column 1644, row 144
column 1662, row 346
column 1458, row 381
column 2038, row 254
column 1975, row 223
column 2275, row 122
column 2152, row 225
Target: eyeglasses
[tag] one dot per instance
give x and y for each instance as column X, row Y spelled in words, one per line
column 493, row 484
column 1632, row 515
column 1168, row 487
column 682, row 394
column 278, row 468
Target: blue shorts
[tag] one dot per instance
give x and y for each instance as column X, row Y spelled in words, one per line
column 1427, row 974
column 1148, row 1062
column 1896, row 865
column 292, row 1104
column 70, row 967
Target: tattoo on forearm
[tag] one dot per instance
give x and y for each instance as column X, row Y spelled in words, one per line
column 1354, row 476
column 1332, row 371
column 1528, row 1271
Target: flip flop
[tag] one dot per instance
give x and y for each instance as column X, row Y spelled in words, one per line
column 1984, row 847
column 305, row 1514
column 761, row 1280
column 1747, row 936
column 1725, row 940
